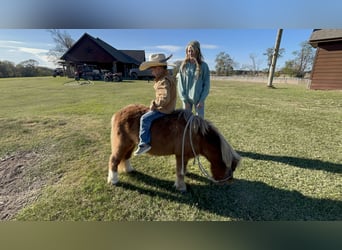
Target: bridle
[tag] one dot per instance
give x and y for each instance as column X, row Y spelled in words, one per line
column 196, row 156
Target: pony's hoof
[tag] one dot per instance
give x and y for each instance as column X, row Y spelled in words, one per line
column 112, row 182
column 130, row 170
column 180, row 188
column 112, row 178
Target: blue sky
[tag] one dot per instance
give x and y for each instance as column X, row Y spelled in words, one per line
column 231, row 14
column 236, row 27
column 17, row 45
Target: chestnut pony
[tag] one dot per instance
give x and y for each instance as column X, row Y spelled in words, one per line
column 181, row 134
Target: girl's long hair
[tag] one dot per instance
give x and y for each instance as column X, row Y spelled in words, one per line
column 198, row 58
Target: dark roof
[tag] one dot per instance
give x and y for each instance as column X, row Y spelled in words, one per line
column 324, row 36
column 117, row 55
column 138, row 55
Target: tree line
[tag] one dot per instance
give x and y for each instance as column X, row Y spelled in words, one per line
column 30, row 68
column 27, row 68
column 296, row 67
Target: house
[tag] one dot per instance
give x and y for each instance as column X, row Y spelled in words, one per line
column 93, row 51
column 327, row 67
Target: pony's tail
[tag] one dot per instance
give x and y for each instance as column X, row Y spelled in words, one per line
column 112, row 139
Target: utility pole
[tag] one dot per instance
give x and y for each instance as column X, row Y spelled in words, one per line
column 274, row 58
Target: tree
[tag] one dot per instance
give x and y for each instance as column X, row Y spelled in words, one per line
column 27, row 68
column 302, row 62
column 304, row 58
column 7, row 69
column 269, row 53
column 44, row 71
column 224, row 64
column 63, row 42
column 255, row 64
column 289, row 68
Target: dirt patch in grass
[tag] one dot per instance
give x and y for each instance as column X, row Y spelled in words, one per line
column 18, row 186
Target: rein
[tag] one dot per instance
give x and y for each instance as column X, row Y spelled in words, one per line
column 196, row 157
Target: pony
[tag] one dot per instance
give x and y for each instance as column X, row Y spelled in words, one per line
column 180, row 133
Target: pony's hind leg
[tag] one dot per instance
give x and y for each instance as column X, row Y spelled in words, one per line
column 117, row 164
column 113, row 170
column 125, row 164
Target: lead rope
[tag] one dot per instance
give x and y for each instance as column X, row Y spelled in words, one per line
column 189, row 122
column 196, row 157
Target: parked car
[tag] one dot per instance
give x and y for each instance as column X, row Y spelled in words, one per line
column 136, row 74
column 58, row 72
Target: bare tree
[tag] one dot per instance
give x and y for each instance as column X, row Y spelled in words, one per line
column 224, row 64
column 302, row 62
column 304, row 58
column 255, row 63
column 63, row 42
column 269, row 53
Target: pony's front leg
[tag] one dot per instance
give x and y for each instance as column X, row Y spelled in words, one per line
column 113, row 170
column 180, row 172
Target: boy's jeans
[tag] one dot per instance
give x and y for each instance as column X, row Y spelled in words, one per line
column 145, row 126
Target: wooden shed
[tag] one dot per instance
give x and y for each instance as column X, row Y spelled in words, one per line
column 94, row 51
column 327, row 68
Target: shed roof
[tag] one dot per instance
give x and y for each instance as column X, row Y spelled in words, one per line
column 324, row 36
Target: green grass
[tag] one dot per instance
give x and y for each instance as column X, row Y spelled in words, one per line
column 290, row 139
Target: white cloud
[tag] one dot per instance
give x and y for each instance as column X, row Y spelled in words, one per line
column 33, row 51
column 170, row 48
column 19, row 52
column 9, row 43
column 209, row 46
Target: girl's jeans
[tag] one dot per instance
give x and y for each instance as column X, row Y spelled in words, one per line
column 199, row 111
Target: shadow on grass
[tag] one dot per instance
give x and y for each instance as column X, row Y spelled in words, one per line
column 295, row 161
column 241, row 200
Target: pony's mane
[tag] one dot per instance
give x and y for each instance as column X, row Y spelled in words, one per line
column 198, row 123
column 202, row 126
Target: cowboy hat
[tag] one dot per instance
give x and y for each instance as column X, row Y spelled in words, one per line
column 155, row 60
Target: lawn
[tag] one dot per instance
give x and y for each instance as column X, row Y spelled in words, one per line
column 289, row 137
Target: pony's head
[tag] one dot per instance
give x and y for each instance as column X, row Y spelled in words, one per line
column 216, row 149
column 230, row 160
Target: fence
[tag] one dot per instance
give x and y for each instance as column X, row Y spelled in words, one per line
column 264, row 79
